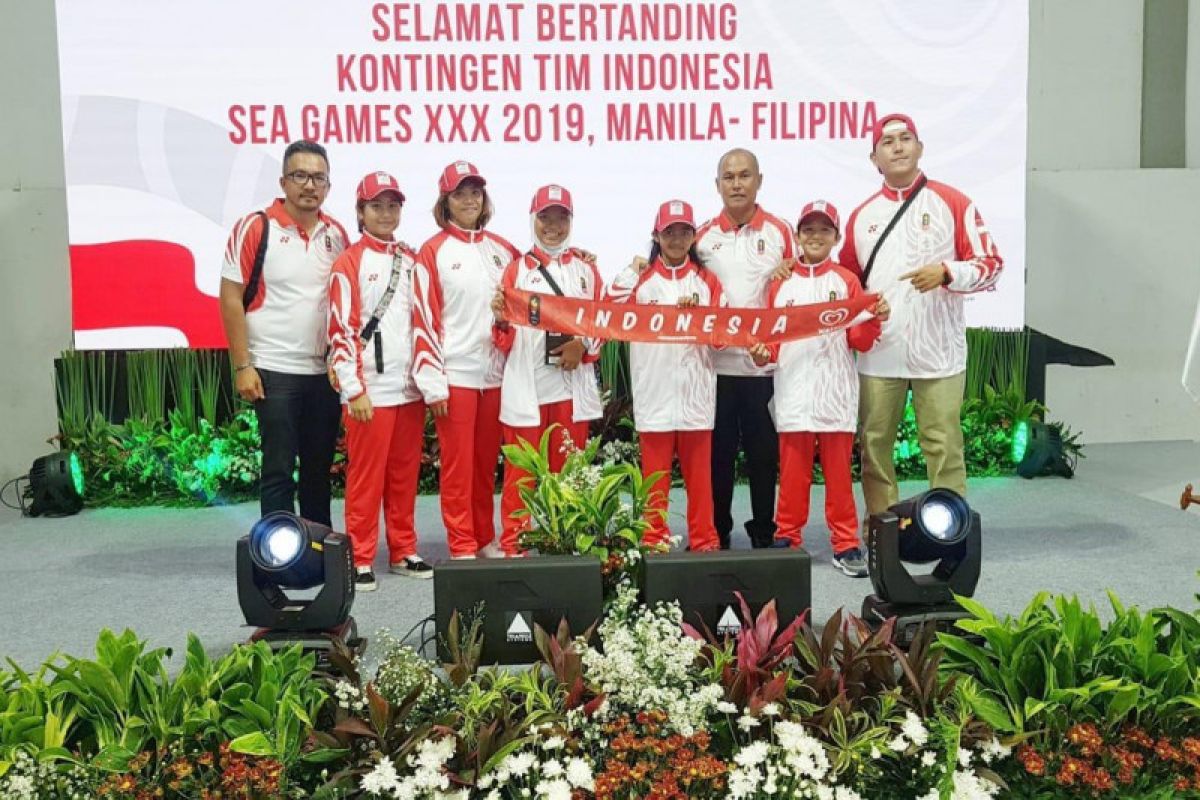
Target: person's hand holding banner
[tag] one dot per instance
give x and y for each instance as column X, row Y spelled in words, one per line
column 760, row 354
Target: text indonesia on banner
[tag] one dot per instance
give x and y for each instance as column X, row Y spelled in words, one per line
column 175, row 117
column 719, row 327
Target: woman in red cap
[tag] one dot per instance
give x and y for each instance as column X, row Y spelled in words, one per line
column 456, row 365
column 370, row 354
column 674, row 385
column 549, row 379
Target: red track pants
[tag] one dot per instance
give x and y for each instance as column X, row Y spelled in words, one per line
column 510, row 499
column 694, row 449
column 385, row 465
column 795, row 482
column 469, row 440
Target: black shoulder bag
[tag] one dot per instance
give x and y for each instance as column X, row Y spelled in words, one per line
column 256, row 271
column 916, row 190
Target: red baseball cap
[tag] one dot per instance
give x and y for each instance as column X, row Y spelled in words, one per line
column 890, row 124
column 820, row 208
column 376, row 184
column 551, row 195
column 456, row 173
column 671, row 212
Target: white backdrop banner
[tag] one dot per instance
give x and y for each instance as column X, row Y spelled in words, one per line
column 176, row 116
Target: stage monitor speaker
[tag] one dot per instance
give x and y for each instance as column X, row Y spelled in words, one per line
column 515, row 594
column 705, row 583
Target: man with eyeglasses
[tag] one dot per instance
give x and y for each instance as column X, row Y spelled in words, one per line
column 274, row 314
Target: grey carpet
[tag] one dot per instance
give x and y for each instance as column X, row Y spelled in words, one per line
column 165, row 572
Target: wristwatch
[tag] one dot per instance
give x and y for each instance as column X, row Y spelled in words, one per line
column 241, row 367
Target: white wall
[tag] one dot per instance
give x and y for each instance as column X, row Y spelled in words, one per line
column 35, row 305
column 1114, row 266
column 1192, row 106
column 1113, row 251
column 1085, row 84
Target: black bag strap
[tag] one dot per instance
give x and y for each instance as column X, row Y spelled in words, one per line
column 381, row 308
column 260, row 256
column 916, row 190
column 546, row 274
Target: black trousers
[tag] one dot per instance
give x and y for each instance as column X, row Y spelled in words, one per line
column 298, row 418
column 743, row 422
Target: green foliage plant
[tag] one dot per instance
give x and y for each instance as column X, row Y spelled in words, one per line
column 586, row 508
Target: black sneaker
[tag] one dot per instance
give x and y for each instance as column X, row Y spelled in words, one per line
column 412, row 567
column 851, row 562
column 364, row 580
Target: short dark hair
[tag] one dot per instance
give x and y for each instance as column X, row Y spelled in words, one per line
column 304, row 146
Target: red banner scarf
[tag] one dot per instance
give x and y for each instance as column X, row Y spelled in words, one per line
column 720, row 327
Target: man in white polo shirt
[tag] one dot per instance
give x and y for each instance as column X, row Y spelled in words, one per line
column 275, row 321
column 923, row 246
column 744, row 246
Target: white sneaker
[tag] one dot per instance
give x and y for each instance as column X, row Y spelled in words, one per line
column 412, row 567
column 491, row 550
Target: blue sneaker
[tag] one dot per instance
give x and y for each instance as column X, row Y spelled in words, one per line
column 851, row 562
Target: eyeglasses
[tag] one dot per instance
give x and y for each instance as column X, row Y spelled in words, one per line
column 318, row 179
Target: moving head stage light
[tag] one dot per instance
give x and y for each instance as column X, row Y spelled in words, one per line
column 935, row 526
column 284, row 551
column 704, row 583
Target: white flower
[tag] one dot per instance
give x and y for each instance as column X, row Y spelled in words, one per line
column 553, row 743
column 898, row 744
column 381, row 780
column 552, row 768
column 929, row 758
column 743, row 783
column 520, row 763
column 751, row 755
column 555, row 790
column 770, row 710
column 494, row 794
column 875, row 754
column 992, row 750
column 579, row 774
column 964, row 757
column 747, row 722
column 914, row 729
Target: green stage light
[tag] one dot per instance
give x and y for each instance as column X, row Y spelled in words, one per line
column 56, row 485
column 1020, row 440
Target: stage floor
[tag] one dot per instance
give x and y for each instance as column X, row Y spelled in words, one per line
column 165, row 572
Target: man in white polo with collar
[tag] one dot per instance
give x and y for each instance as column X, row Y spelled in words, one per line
column 923, row 246
column 744, row 246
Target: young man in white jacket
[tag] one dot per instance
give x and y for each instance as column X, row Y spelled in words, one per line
column 938, row 252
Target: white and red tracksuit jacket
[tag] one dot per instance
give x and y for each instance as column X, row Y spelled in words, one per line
column 674, row 385
column 456, row 276
column 816, row 385
column 926, row 334
column 528, row 381
column 359, row 280
column 743, row 259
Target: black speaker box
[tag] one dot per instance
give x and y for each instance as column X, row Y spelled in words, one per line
column 705, row 583
column 516, row 594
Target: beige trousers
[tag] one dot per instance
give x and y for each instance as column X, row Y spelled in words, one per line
column 938, row 406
